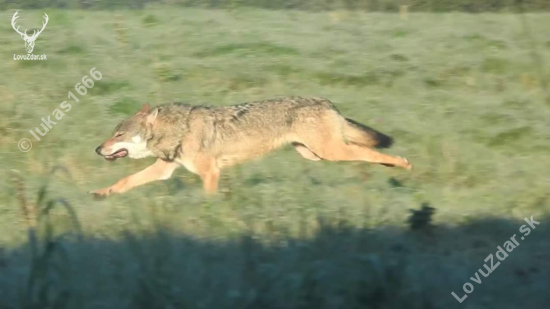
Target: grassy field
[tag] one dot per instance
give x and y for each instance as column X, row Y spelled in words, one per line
column 464, row 96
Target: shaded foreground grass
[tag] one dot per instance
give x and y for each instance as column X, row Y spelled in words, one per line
column 338, row 267
column 329, row 264
column 461, row 94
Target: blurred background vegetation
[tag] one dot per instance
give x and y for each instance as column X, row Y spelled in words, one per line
column 464, row 95
column 315, row 5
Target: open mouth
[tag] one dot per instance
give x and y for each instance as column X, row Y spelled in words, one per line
column 117, row 155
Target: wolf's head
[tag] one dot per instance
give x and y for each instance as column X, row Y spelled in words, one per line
column 130, row 137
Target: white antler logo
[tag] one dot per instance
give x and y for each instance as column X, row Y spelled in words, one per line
column 29, row 40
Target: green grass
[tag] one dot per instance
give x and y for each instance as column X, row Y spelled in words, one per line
column 461, row 94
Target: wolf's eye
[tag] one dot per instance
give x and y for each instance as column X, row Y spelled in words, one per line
column 119, row 134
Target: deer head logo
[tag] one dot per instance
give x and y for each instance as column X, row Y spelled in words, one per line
column 29, row 40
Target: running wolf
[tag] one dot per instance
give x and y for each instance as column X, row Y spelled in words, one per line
column 206, row 139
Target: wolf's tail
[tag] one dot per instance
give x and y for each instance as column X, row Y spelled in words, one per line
column 363, row 135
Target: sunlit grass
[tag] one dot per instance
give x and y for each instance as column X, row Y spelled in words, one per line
column 461, row 94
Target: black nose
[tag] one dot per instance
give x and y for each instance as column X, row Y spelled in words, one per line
column 98, row 150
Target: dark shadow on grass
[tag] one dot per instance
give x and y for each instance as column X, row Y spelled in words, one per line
column 339, row 266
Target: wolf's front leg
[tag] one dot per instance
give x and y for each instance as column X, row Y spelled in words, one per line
column 160, row 170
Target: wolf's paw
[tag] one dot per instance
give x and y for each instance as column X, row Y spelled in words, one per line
column 407, row 165
column 101, row 194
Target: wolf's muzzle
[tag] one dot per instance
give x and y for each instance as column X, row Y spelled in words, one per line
column 98, row 150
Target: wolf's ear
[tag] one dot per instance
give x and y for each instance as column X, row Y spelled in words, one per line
column 152, row 116
column 145, row 109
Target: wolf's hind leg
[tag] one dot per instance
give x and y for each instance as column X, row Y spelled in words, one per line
column 351, row 152
column 334, row 148
column 325, row 138
column 160, row 170
column 306, row 152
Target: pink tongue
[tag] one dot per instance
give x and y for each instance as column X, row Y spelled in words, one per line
column 120, row 154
